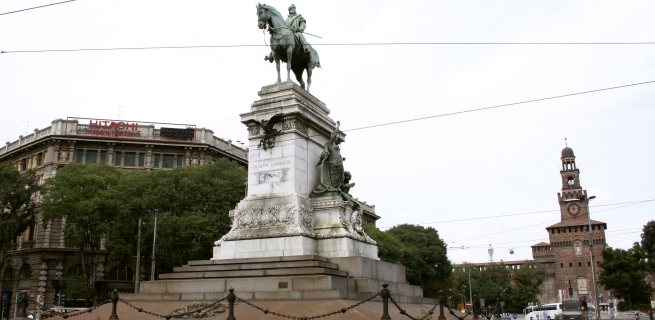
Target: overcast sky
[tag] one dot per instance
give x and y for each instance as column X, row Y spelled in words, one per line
column 465, row 167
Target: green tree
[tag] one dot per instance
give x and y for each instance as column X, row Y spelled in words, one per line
column 425, row 257
column 623, row 272
column 648, row 244
column 17, row 206
column 86, row 196
column 194, row 204
column 525, row 286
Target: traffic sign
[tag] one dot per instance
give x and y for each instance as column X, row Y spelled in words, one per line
column 4, row 297
column 489, row 307
column 588, row 300
column 590, row 315
column 469, row 304
column 515, row 316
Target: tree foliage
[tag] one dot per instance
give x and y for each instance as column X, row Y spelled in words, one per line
column 648, row 244
column 623, row 272
column 100, row 202
column 420, row 250
column 85, row 195
column 17, row 206
column 494, row 283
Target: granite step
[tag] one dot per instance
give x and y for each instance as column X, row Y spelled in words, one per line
column 256, row 266
column 257, row 260
column 253, row 273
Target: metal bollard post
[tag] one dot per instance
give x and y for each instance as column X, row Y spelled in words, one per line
column 385, row 294
column 231, row 297
column 114, row 302
column 441, row 300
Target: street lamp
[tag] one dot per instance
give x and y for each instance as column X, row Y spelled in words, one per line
column 154, row 242
column 593, row 264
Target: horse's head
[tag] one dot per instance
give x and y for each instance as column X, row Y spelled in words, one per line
column 262, row 16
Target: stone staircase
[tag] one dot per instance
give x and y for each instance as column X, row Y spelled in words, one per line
column 255, row 267
column 281, row 278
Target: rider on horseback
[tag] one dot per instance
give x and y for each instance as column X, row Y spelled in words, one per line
column 297, row 24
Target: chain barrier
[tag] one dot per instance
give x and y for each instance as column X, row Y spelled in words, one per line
column 404, row 312
column 456, row 316
column 342, row 310
column 64, row 315
column 174, row 314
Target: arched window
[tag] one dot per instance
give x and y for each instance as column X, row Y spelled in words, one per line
column 120, row 272
column 25, row 272
column 75, row 271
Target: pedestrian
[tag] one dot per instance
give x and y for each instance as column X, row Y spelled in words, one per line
column 650, row 314
column 636, row 315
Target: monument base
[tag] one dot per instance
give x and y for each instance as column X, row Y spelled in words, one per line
column 294, row 246
column 282, row 278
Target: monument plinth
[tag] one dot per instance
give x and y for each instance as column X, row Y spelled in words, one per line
column 288, row 128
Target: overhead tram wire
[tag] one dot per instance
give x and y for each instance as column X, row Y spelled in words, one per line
column 32, row 8
column 482, row 109
column 621, row 204
column 324, row 44
column 534, row 225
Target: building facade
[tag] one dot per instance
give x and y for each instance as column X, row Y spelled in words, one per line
column 568, row 255
column 40, row 255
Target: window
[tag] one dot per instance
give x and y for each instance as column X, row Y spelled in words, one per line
column 103, row 156
column 129, row 159
column 23, row 165
column 121, row 273
column 168, row 161
column 179, row 161
column 79, row 154
column 579, row 264
column 156, row 161
column 91, row 156
column 117, row 158
column 588, row 263
column 25, row 272
column 39, row 159
column 570, row 264
column 142, row 159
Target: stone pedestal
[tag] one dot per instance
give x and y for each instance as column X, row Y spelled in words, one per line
column 277, row 217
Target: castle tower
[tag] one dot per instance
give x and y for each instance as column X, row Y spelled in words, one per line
column 568, row 257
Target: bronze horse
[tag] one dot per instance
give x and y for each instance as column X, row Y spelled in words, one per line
column 285, row 47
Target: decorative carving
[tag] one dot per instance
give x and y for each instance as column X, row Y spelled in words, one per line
column 269, row 132
column 342, row 218
column 253, row 129
column 292, row 208
column 307, row 216
column 293, row 123
column 63, row 155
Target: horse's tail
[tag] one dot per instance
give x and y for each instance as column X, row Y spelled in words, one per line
column 314, row 60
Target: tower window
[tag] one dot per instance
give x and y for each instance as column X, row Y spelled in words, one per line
column 579, row 264
column 570, row 264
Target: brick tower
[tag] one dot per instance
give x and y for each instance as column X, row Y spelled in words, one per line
column 568, row 255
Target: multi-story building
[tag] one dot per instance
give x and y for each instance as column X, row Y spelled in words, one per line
column 40, row 255
column 568, row 255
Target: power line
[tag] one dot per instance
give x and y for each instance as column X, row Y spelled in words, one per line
column 47, row 5
column 533, row 225
column 625, row 204
column 479, row 109
column 328, row 44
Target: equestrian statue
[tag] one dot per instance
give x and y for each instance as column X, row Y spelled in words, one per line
column 288, row 43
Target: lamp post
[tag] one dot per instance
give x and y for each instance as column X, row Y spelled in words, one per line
column 154, row 243
column 137, row 277
column 593, row 264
